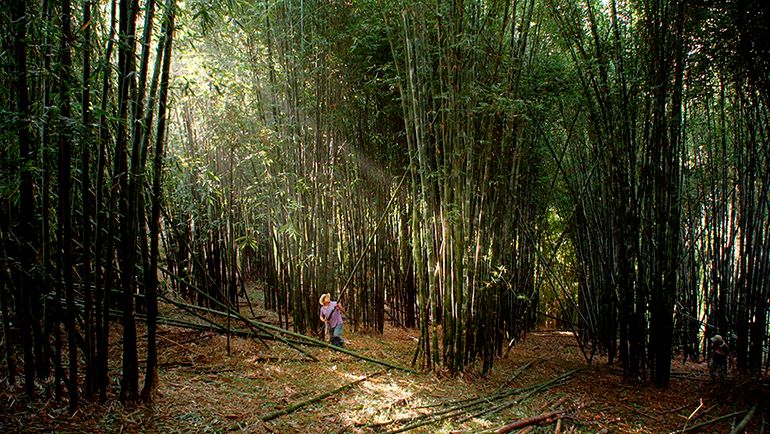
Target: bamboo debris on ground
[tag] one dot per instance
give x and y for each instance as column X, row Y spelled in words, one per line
column 553, row 405
column 278, row 332
column 173, row 342
column 467, row 409
column 677, row 409
column 256, row 325
column 212, row 326
column 196, row 338
column 712, row 421
column 513, row 376
column 193, row 310
column 640, row 412
column 541, row 419
column 274, row 359
column 516, row 373
column 295, row 407
column 544, row 386
column 690, row 417
column 739, row 428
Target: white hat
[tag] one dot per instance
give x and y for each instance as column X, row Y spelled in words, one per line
column 321, row 300
column 717, row 338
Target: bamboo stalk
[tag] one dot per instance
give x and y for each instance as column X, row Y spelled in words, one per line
column 712, row 421
column 476, row 405
column 545, row 417
column 517, row 399
column 295, row 407
column 280, row 331
column 230, row 311
column 516, row 374
column 739, row 428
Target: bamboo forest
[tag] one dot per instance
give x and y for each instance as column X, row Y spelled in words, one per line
column 368, row 216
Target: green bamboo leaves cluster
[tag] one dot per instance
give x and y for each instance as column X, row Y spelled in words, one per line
column 600, row 163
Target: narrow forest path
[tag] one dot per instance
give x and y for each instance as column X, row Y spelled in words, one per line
column 205, row 390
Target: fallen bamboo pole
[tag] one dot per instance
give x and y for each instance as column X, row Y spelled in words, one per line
column 519, row 398
column 339, row 349
column 295, row 407
column 474, row 405
column 211, row 326
column 280, row 331
column 455, row 408
column 516, row 374
column 534, row 420
column 229, row 311
column 739, row 428
column 229, row 314
column 712, row 421
column 689, row 418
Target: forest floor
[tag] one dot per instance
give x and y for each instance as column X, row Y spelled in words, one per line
column 203, row 389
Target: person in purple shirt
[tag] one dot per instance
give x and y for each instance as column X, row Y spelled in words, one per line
column 331, row 315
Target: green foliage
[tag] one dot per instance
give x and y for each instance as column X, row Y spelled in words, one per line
column 525, row 129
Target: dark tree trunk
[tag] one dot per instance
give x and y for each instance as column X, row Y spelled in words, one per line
column 151, row 376
column 87, row 206
column 65, row 201
column 127, row 254
column 664, row 24
column 26, row 291
column 103, row 256
column 10, row 354
column 43, row 352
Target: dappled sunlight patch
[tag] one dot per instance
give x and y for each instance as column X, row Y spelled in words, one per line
column 380, row 399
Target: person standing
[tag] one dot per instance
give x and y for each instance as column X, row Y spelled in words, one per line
column 331, row 315
column 720, row 355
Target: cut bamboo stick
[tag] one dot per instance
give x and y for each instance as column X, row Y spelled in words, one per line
column 712, row 421
column 534, row 420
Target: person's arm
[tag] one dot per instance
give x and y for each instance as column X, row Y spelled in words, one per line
column 340, row 308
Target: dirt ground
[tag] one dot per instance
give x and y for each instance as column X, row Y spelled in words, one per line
column 203, row 389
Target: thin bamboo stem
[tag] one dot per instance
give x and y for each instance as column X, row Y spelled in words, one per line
column 297, row 406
